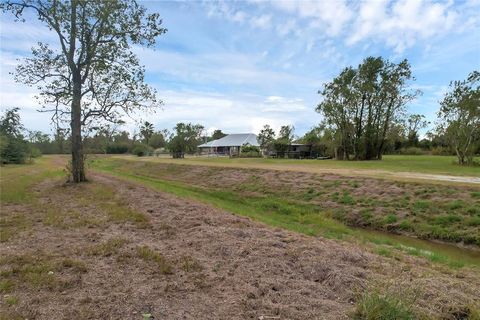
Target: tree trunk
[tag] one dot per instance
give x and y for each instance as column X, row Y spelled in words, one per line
column 78, row 167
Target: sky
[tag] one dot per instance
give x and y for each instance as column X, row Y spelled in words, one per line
column 238, row 65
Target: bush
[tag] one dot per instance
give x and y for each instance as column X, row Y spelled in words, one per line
column 249, row 151
column 142, row 150
column 34, row 152
column 441, row 151
column 412, row 151
column 13, row 150
column 117, row 148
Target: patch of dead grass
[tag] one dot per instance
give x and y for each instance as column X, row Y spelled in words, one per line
column 38, row 270
column 189, row 264
column 11, row 225
column 107, row 248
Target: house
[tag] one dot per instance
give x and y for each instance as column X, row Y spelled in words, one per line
column 230, row 145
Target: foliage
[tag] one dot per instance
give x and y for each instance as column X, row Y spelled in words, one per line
column 250, row 151
column 158, row 139
column 249, row 148
column 15, row 151
column 387, row 306
column 286, row 133
column 10, row 124
column 13, row 146
column 459, row 117
column 266, row 137
column 146, row 130
column 217, row 134
column 91, row 73
column 414, row 151
column 415, row 122
column 283, row 140
column 185, row 139
column 117, row 148
column 361, row 104
column 142, row 150
column 322, row 141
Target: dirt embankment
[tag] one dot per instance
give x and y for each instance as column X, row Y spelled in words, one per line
column 207, row 264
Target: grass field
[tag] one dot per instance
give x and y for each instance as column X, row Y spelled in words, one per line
column 112, row 247
column 320, row 205
column 391, row 164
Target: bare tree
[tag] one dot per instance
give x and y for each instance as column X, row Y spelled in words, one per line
column 90, row 74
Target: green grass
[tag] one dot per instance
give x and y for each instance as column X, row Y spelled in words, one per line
column 11, row 300
column 16, row 180
column 393, row 163
column 383, row 306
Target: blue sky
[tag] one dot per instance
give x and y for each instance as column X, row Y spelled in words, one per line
column 237, row 65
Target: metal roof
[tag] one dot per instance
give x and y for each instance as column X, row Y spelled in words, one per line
column 233, row 140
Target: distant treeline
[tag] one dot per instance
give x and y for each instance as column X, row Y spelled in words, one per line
column 364, row 117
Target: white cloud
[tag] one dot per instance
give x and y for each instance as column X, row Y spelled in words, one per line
column 286, row 28
column 219, row 68
column 232, row 114
column 332, row 16
column 403, row 23
column 223, row 9
column 261, row 22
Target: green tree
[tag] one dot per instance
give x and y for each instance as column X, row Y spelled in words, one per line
column 415, row 122
column 459, row 117
column 284, row 139
column 185, row 139
column 61, row 141
column 361, row 104
column 320, row 140
column 218, row 134
column 147, row 130
column 13, row 146
column 158, row 140
column 266, row 137
column 90, row 74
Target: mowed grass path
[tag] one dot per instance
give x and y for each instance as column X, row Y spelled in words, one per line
column 437, row 165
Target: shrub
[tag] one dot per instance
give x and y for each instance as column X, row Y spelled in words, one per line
column 448, row 219
column 142, row 150
column 376, row 306
column 405, row 225
column 117, row 148
column 250, row 151
column 34, row 152
column 414, row 151
column 391, row 218
column 441, row 151
column 14, row 150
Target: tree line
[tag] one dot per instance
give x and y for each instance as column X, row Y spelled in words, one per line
column 90, row 75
